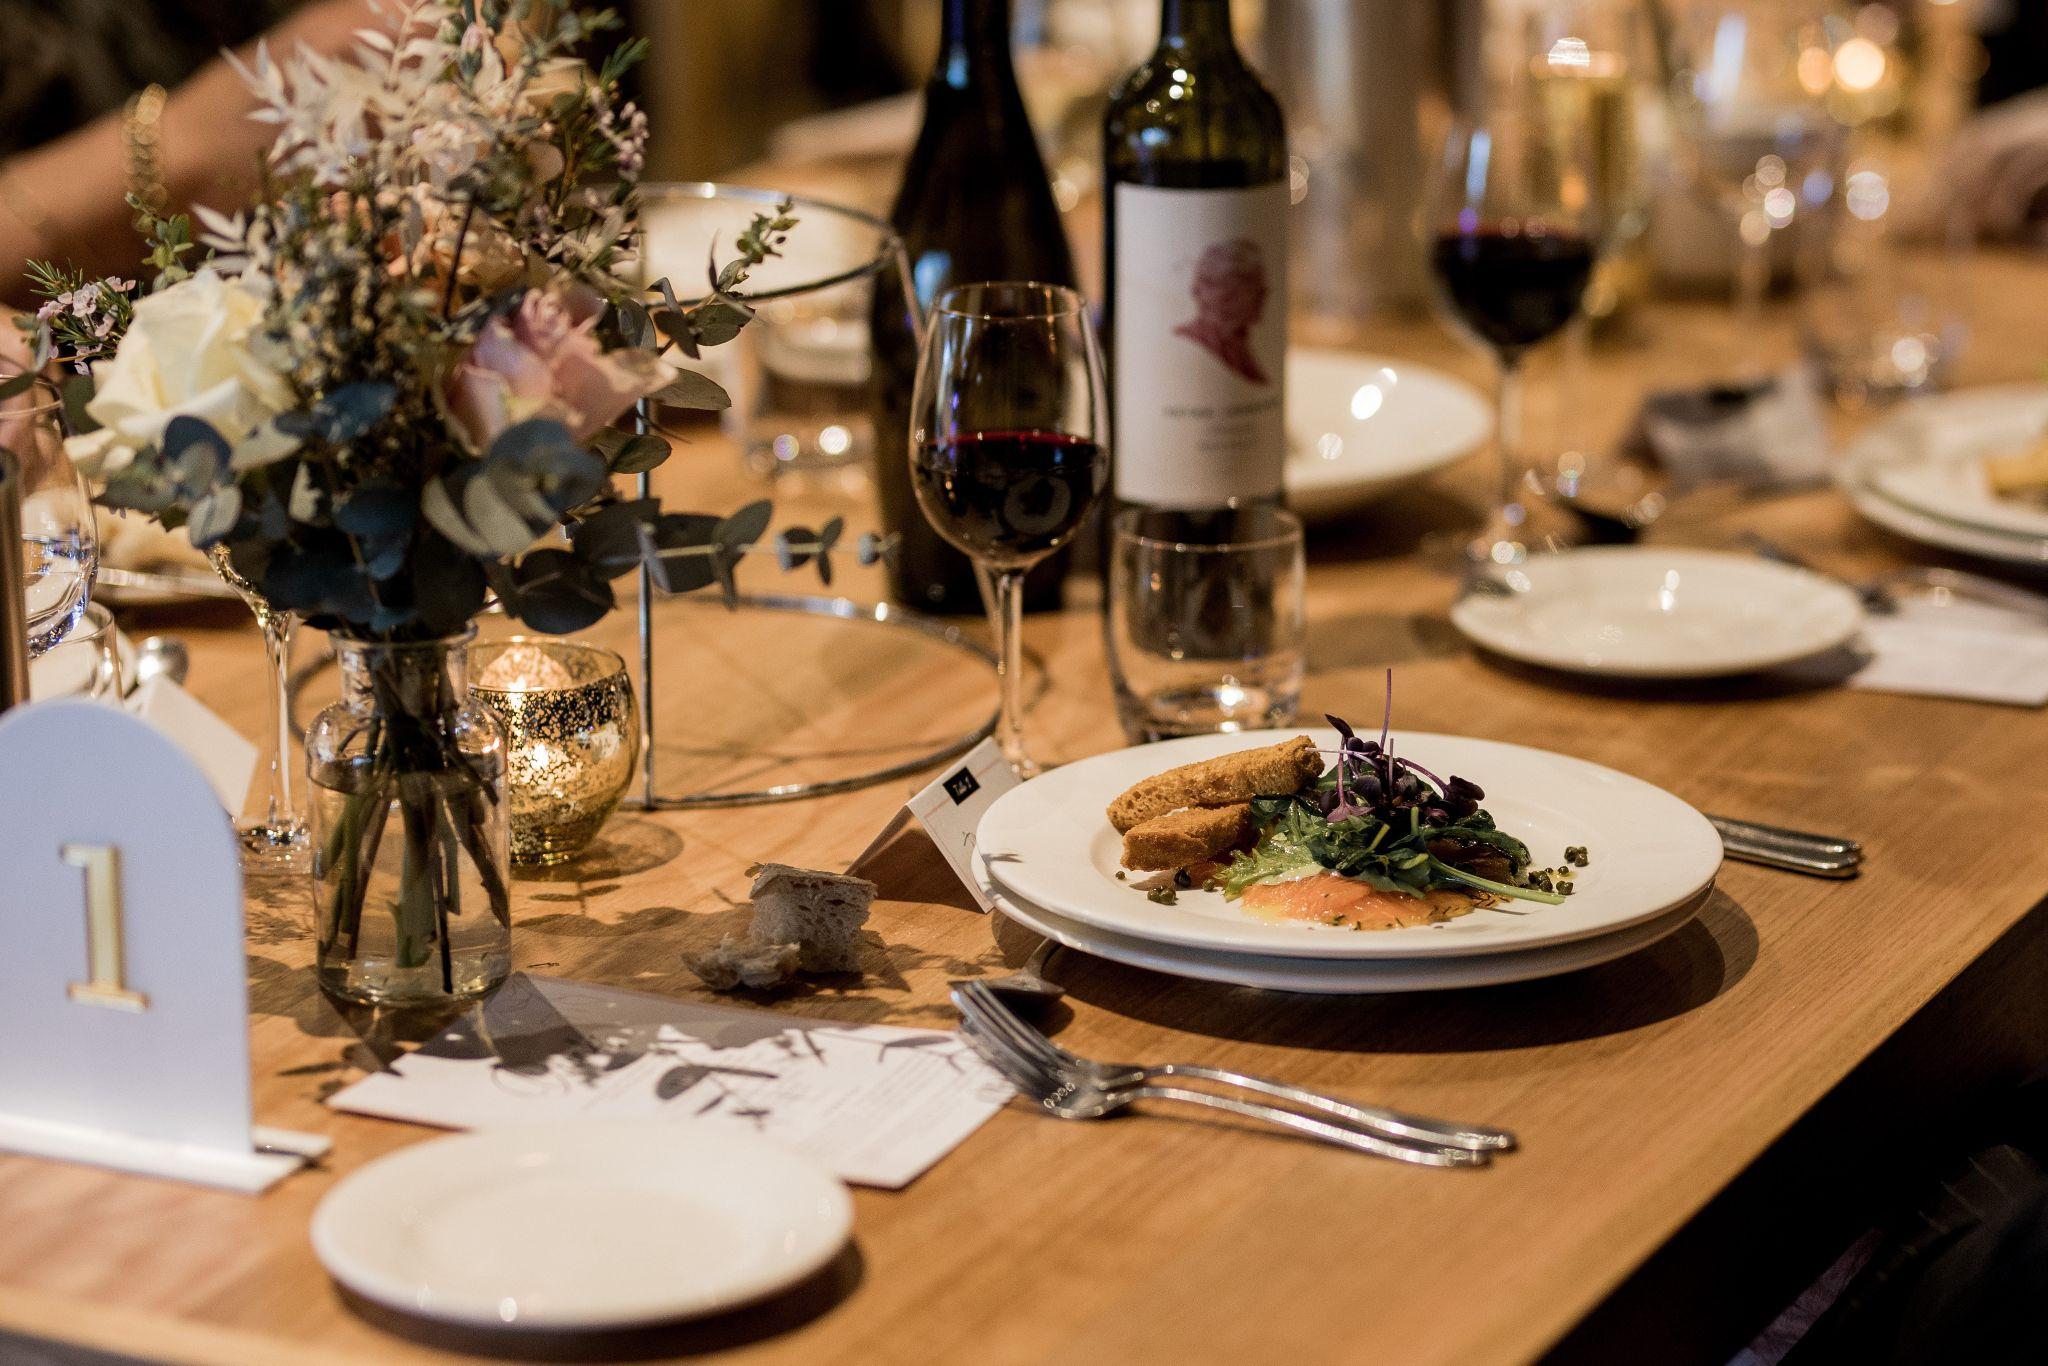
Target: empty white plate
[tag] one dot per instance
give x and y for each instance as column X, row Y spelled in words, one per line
column 1360, row 426
column 1050, row 841
column 1649, row 612
column 604, row 1224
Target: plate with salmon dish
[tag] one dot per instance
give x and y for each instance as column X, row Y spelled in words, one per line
column 1331, row 844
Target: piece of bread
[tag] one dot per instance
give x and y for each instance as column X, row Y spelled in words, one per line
column 2022, row 474
column 1191, row 835
column 737, row 963
column 821, row 913
column 1274, row 771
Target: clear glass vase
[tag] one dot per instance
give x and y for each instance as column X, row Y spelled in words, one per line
column 411, row 870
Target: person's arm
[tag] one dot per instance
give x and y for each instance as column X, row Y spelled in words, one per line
column 66, row 199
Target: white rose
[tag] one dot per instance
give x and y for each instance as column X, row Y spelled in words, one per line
column 188, row 353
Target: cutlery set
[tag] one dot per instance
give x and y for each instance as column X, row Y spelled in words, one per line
column 1070, row 1087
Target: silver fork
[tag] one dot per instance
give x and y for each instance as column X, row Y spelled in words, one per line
column 981, row 1007
column 1071, row 1095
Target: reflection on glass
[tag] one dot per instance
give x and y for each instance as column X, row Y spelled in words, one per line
column 59, row 545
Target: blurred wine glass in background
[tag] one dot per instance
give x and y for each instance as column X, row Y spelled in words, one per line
column 1513, row 225
column 1749, row 90
column 1590, row 68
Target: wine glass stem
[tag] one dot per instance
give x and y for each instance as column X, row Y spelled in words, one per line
column 1507, row 428
column 1752, row 277
column 279, row 808
column 1008, row 622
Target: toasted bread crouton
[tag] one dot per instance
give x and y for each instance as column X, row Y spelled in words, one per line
column 1180, row 838
column 1273, row 771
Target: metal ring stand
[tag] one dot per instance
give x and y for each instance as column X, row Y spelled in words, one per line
column 843, row 609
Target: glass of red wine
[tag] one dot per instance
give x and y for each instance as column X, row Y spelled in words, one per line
column 1008, row 446
column 1513, row 235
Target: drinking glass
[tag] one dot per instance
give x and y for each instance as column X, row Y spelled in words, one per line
column 275, row 840
column 86, row 663
column 1748, row 104
column 1514, row 225
column 1207, row 637
column 1589, row 74
column 799, row 374
column 1008, row 446
column 59, row 544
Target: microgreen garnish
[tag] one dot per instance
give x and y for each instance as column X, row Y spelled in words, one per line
column 1390, row 822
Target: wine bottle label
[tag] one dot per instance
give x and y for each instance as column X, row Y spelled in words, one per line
column 1201, row 344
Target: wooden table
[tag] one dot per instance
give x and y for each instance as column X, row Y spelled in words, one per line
column 1746, row 1063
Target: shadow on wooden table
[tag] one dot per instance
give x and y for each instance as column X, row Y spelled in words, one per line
column 1677, row 974
column 1816, row 674
column 802, row 1303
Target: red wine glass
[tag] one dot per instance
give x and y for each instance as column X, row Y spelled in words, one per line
column 1008, row 446
column 1513, row 236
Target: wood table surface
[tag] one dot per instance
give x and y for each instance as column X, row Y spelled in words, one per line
column 1641, row 1089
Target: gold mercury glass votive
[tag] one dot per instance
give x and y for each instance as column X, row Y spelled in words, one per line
column 572, row 737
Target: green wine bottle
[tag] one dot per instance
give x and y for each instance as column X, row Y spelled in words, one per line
column 975, row 205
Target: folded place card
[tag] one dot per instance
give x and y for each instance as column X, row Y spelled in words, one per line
column 227, row 760
column 877, row 1104
column 950, row 807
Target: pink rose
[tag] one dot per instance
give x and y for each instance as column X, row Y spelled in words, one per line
column 543, row 361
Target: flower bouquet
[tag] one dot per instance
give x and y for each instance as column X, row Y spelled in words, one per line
column 383, row 393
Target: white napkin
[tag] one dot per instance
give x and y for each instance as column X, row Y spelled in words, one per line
column 227, row 760
column 1767, row 435
column 1964, row 649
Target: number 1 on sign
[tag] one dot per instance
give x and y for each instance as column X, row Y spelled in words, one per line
column 101, row 864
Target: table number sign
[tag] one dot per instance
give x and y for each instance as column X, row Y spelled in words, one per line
column 123, row 986
column 949, row 808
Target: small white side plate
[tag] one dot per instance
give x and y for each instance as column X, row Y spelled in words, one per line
column 604, row 1224
column 1361, row 426
column 1648, row 612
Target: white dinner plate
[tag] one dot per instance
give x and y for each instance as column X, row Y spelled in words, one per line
column 599, row 1224
column 1050, row 842
column 1650, row 612
column 1360, row 426
column 1929, row 457
column 1341, row 977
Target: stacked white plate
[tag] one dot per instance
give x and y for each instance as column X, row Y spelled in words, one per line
column 1051, row 858
column 1920, row 473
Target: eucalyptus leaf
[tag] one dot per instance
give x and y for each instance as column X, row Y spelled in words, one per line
column 793, row 547
column 680, row 560
column 689, row 389
column 16, row 385
column 448, row 586
column 610, row 540
column 640, row 454
column 376, row 510
column 308, row 497
column 78, row 392
column 559, row 594
column 213, row 517
column 739, row 531
column 502, row 530
column 441, row 513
